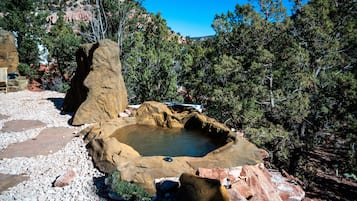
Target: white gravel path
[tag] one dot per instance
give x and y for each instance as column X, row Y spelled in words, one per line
column 43, row 170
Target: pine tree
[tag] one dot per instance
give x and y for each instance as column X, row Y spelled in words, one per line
column 149, row 66
column 21, row 19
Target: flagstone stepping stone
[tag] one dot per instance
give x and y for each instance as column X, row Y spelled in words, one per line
column 8, row 180
column 2, row 116
column 21, row 125
column 49, row 140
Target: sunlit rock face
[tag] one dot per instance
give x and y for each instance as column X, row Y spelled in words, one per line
column 98, row 91
column 109, row 154
column 255, row 182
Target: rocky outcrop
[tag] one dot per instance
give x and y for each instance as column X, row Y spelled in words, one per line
column 8, row 53
column 256, row 183
column 97, row 90
column 110, row 154
column 241, row 183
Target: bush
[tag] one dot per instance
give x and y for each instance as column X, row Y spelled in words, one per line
column 26, row 70
column 126, row 190
column 54, row 83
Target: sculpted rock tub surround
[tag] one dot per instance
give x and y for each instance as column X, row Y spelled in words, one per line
column 109, row 154
column 98, row 95
column 237, row 165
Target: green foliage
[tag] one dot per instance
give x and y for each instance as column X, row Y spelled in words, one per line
column 26, row 70
column 149, row 66
column 62, row 44
column 20, row 18
column 194, row 62
column 287, row 82
column 28, row 50
column 126, row 190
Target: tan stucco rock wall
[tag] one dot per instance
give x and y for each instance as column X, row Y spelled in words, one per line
column 98, row 91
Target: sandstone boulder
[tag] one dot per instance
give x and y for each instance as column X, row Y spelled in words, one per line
column 194, row 188
column 97, row 90
column 8, row 53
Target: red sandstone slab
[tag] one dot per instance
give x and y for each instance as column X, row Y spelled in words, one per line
column 21, row 125
column 8, row 181
column 49, row 140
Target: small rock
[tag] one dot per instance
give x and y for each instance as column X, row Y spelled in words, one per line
column 128, row 111
column 65, row 180
column 123, row 114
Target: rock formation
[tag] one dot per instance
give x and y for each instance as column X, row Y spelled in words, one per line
column 255, row 182
column 97, row 90
column 8, row 53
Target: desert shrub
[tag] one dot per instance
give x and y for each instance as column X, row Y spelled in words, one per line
column 126, row 190
column 26, row 70
column 54, row 82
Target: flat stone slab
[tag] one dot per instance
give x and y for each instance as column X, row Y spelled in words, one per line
column 49, row 140
column 8, row 180
column 21, row 125
column 2, row 116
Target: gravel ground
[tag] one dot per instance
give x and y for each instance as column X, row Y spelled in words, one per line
column 43, row 170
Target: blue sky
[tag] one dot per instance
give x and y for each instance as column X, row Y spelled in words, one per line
column 194, row 17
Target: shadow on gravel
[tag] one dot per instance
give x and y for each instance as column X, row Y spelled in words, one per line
column 102, row 189
column 58, row 102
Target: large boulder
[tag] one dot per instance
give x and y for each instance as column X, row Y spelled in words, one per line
column 97, row 90
column 194, row 188
column 8, row 53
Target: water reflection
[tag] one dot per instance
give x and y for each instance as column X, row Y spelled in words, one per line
column 152, row 141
